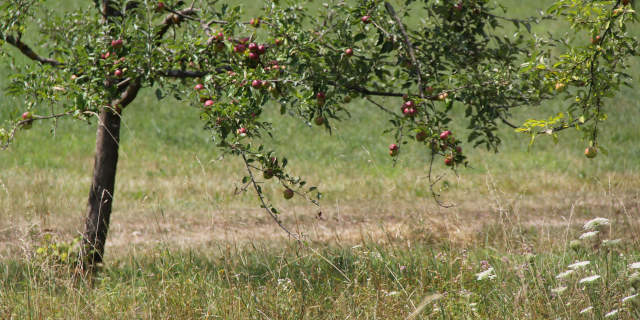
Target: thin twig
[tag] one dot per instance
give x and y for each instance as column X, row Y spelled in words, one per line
column 432, row 182
column 27, row 121
column 381, row 107
column 262, row 201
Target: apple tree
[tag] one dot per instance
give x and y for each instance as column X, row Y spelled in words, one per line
column 423, row 57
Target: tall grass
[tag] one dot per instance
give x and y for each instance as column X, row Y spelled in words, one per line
column 372, row 279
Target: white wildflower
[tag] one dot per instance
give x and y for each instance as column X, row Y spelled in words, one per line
column 588, row 235
column 285, row 283
column 565, row 274
column 596, row 223
column 558, row 289
column 612, row 313
column 585, row 310
column 579, row 265
column 589, row 279
column 487, row 274
column 635, row 265
column 392, row 293
column 631, row 297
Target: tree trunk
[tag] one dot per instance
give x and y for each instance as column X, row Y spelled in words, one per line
column 102, row 187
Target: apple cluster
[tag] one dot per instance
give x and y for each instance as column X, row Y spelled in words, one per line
column 409, row 108
column 110, row 60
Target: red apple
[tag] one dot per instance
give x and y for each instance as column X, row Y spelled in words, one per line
column 28, row 123
column 262, row 49
column 393, row 149
column 348, row 52
column 445, row 134
column 117, row 44
column 287, row 193
column 242, row 131
column 366, row 19
column 443, row 95
column 458, row 6
column 595, row 40
column 421, row 136
column 319, row 121
column 198, row 87
column 459, row 149
column 256, row 84
column 117, row 73
column 409, row 104
column 267, row 174
column 346, row 99
column 277, row 41
column 253, row 56
column 160, row 6
column 409, row 112
column 239, row 48
column 448, row 161
column 320, row 97
column 208, row 103
column 253, row 47
column 591, row 152
column 255, row 22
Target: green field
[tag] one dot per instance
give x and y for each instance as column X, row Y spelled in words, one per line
column 185, row 244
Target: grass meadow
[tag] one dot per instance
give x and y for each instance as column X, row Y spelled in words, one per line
column 185, row 244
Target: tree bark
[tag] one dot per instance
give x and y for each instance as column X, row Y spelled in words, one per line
column 102, row 187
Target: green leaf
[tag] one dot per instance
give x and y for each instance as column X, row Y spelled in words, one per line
column 387, row 47
column 359, row 37
column 159, row 94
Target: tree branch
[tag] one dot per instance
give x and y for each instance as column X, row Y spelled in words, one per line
column 407, row 43
column 26, row 50
column 172, row 19
column 127, row 96
column 191, row 74
column 374, row 93
column 29, row 121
